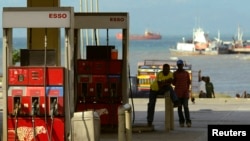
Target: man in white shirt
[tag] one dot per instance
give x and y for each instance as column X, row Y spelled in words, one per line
column 202, row 87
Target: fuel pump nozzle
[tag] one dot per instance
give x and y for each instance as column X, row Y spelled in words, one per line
column 54, row 107
column 35, row 107
column 17, row 108
column 53, row 112
column 35, row 111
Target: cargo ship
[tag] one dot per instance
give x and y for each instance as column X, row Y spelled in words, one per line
column 200, row 44
column 147, row 36
column 239, row 46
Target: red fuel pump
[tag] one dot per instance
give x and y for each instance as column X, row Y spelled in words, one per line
column 99, row 83
column 27, row 103
column 102, row 76
column 40, row 99
column 35, row 90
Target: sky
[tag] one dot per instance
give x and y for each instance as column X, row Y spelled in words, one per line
column 170, row 17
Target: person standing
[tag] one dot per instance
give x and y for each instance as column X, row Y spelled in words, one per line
column 202, row 86
column 160, row 85
column 182, row 83
column 209, row 88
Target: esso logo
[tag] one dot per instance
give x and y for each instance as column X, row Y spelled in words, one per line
column 116, row 19
column 58, row 15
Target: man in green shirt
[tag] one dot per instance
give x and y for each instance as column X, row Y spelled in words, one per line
column 209, row 88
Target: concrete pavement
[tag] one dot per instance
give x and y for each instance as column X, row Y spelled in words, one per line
column 204, row 112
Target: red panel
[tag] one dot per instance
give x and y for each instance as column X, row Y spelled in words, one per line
column 115, row 67
column 91, row 91
column 105, row 91
column 25, row 128
column 79, row 107
column 17, row 76
column 26, row 105
column 55, row 76
column 16, row 91
column 79, row 91
column 42, row 106
column 100, row 67
column 85, row 89
column 100, row 85
column 36, row 76
column 84, row 78
column 60, row 105
column 112, row 117
column 99, row 79
column 10, row 105
column 84, row 67
column 35, row 91
column 54, row 91
column 85, row 93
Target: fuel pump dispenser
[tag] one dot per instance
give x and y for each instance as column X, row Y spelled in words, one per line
column 102, row 77
column 36, row 92
column 40, row 99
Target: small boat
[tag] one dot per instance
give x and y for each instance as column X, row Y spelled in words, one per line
column 200, row 44
column 147, row 36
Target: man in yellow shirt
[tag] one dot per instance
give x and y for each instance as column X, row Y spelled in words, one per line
column 161, row 84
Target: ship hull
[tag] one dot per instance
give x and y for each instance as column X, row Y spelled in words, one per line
column 192, row 53
column 239, row 50
column 140, row 37
column 190, row 49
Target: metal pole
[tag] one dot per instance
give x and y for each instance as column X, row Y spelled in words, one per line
column 87, row 34
column 81, row 35
column 91, row 6
column 97, row 31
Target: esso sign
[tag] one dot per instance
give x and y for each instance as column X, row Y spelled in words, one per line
column 58, row 15
column 117, row 19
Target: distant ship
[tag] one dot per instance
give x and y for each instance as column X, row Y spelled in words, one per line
column 200, row 44
column 147, row 36
column 239, row 45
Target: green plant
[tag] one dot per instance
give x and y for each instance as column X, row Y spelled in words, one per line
column 15, row 56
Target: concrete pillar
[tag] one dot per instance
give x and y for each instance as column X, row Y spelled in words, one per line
column 169, row 113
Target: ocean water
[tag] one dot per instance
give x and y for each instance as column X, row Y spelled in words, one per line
column 229, row 73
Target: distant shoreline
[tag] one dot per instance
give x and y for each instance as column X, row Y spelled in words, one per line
column 216, row 96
